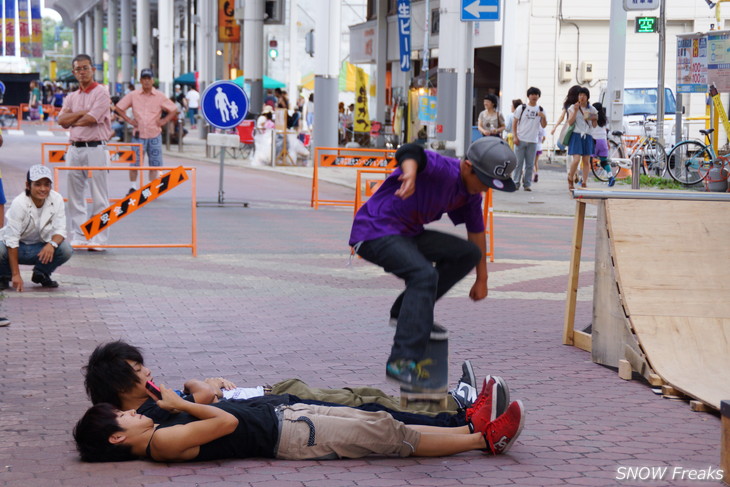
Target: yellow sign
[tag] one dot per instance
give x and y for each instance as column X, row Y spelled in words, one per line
column 228, row 28
column 361, row 117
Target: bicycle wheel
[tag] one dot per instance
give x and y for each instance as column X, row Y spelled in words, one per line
column 615, row 151
column 653, row 158
column 689, row 161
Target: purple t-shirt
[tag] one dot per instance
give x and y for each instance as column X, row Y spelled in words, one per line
column 439, row 190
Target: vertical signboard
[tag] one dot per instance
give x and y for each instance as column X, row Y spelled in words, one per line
column 228, row 28
column 36, row 35
column 10, row 27
column 718, row 60
column 692, row 63
column 404, row 33
column 24, row 28
column 361, row 117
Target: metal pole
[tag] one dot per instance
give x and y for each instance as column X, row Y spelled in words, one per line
column 426, row 37
column 220, row 180
column 662, row 62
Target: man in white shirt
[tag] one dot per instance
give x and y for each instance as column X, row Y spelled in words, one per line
column 193, row 98
column 525, row 127
column 34, row 232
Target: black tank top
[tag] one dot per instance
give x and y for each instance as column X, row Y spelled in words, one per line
column 255, row 435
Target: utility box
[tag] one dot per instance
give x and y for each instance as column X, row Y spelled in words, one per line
column 565, row 71
column 586, row 72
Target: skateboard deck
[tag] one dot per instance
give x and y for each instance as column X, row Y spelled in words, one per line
column 438, row 369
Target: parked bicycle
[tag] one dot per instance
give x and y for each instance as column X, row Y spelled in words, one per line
column 691, row 161
column 647, row 150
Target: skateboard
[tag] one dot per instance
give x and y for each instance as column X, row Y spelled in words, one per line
column 438, row 369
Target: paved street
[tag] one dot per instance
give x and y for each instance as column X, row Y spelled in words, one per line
column 270, row 296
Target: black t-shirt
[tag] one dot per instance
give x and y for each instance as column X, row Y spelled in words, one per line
column 255, row 436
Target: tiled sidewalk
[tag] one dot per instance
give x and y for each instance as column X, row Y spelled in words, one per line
column 270, row 297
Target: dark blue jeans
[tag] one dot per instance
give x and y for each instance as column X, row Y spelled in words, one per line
column 412, row 259
column 28, row 255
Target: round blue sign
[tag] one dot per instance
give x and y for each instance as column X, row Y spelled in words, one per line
column 2, row 88
column 224, row 104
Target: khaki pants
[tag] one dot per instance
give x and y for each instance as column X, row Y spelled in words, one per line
column 310, row 432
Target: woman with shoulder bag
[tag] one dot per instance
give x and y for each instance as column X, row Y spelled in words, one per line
column 583, row 117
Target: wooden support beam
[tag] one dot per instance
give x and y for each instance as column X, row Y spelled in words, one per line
column 656, row 380
column 582, row 340
column 698, row 406
column 624, row 369
column 725, row 447
column 572, row 298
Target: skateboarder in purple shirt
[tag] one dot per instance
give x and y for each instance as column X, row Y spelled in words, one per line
column 389, row 231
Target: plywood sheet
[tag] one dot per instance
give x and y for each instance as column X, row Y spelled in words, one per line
column 672, row 266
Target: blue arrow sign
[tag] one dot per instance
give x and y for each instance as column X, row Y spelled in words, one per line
column 477, row 10
column 224, row 104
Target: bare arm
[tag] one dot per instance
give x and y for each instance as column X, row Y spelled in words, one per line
column 202, row 392
column 15, row 269
column 67, row 118
column 479, row 290
column 179, row 443
column 557, row 124
column 408, row 178
column 171, row 115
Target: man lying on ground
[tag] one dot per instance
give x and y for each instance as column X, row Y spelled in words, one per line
column 116, row 374
column 239, row 429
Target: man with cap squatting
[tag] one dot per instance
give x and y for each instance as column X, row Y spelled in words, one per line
column 147, row 106
column 34, row 232
column 389, row 231
column 86, row 113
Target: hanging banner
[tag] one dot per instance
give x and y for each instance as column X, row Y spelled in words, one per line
column 404, row 33
column 718, row 60
column 692, row 63
column 36, row 36
column 10, row 27
column 228, row 28
column 361, row 117
column 24, row 28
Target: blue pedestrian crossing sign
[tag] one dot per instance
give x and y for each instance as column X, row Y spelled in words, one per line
column 224, row 104
column 477, row 10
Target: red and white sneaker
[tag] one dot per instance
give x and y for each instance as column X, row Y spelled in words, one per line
column 491, row 402
column 501, row 433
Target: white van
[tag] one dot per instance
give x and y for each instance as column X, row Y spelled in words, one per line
column 640, row 102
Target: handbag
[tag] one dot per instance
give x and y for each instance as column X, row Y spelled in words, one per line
column 568, row 133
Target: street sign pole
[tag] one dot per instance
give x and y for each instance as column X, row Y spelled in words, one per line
column 224, row 105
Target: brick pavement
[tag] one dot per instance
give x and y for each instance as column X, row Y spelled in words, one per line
column 270, row 297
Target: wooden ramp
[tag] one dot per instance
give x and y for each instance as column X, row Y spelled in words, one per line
column 668, row 265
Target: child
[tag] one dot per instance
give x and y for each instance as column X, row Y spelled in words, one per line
column 601, row 144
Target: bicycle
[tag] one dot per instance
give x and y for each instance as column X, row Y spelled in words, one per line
column 647, row 149
column 690, row 161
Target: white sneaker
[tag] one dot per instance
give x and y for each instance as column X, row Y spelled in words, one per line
column 4, row 322
column 464, row 395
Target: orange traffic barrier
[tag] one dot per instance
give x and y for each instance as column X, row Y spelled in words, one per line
column 347, row 158
column 122, row 206
column 372, row 185
column 489, row 223
column 120, row 152
column 49, row 122
column 8, row 112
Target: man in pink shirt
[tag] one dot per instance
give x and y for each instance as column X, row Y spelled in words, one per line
column 147, row 106
column 86, row 112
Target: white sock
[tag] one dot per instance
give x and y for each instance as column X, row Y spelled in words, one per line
column 135, row 184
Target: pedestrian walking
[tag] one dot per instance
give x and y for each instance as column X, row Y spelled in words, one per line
column 583, row 116
column 526, row 125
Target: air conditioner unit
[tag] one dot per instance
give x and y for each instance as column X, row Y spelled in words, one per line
column 565, row 71
column 586, row 72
